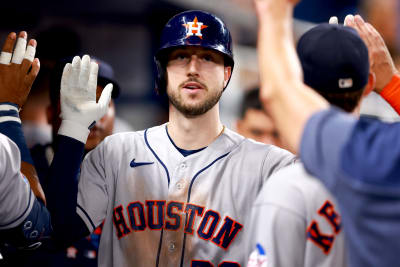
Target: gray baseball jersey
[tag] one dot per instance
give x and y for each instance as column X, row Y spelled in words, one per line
column 16, row 197
column 295, row 221
column 163, row 209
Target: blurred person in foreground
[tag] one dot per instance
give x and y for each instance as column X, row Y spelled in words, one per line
column 295, row 219
column 24, row 220
column 356, row 159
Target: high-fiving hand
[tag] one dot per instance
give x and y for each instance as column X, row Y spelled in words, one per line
column 18, row 68
column 79, row 109
column 381, row 62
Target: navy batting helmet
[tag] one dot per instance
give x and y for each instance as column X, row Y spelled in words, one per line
column 192, row 28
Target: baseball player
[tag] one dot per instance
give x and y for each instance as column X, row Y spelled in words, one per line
column 357, row 160
column 177, row 194
column 295, row 214
column 24, row 219
column 254, row 123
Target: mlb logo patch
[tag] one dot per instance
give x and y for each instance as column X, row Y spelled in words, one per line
column 346, row 83
column 194, row 28
column 258, row 258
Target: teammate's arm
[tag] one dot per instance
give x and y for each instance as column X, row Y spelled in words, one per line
column 283, row 94
column 19, row 207
column 18, row 70
column 79, row 110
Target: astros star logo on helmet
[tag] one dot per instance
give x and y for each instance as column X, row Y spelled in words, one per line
column 194, row 28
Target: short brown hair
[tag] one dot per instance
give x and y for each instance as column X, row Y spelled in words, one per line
column 347, row 101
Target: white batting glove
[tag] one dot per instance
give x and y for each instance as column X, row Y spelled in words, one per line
column 79, row 110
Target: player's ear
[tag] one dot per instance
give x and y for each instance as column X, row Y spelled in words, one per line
column 227, row 74
column 371, row 84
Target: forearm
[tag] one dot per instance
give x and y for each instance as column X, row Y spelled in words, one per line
column 10, row 125
column 63, row 190
column 289, row 102
column 30, row 173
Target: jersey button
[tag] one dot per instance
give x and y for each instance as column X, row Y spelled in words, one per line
column 171, row 246
column 179, row 186
column 183, row 166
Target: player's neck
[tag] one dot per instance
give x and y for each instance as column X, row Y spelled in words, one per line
column 194, row 132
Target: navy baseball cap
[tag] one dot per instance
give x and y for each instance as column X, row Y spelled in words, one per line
column 106, row 76
column 334, row 58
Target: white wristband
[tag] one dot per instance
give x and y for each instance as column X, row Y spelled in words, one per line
column 74, row 130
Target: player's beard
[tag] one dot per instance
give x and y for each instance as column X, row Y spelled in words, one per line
column 192, row 110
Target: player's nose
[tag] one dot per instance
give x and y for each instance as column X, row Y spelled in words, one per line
column 193, row 65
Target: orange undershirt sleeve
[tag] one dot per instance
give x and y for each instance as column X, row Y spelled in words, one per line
column 391, row 93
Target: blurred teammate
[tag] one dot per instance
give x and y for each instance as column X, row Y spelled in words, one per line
column 296, row 221
column 24, row 219
column 254, row 123
column 177, row 194
column 357, row 160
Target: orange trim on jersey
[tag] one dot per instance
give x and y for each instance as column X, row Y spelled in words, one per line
column 202, row 261
column 231, row 263
column 189, row 213
column 123, row 222
column 168, row 224
column 134, row 218
column 159, row 220
column 329, row 207
column 209, row 228
column 219, row 242
column 318, row 233
column 391, row 93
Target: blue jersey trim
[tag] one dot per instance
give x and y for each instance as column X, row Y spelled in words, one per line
column 22, row 214
column 87, row 215
column 13, row 130
column 184, row 152
column 159, row 247
column 154, row 153
column 12, row 113
column 166, row 171
column 188, row 199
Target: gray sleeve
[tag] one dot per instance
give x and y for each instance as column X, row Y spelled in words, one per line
column 278, row 223
column 16, row 197
column 275, row 160
column 93, row 188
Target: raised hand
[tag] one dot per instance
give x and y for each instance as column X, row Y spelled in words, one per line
column 381, row 62
column 79, row 109
column 18, row 68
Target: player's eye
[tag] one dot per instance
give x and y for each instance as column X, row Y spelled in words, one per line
column 208, row 58
column 181, row 56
